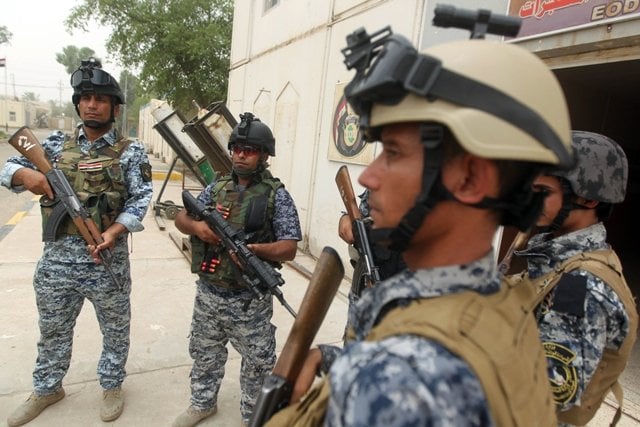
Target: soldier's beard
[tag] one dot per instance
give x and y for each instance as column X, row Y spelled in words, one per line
column 94, row 124
column 244, row 172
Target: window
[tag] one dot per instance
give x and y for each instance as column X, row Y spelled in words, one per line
column 268, row 4
column 12, row 116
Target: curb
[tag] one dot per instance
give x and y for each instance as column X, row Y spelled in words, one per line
column 162, row 175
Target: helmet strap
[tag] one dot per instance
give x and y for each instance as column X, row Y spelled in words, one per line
column 262, row 166
column 94, row 124
column 565, row 209
column 520, row 209
column 399, row 237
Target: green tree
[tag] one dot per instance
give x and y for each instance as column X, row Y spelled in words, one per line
column 181, row 46
column 5, row 35
column 129, row 86
column 67, row 110
column 71, row 56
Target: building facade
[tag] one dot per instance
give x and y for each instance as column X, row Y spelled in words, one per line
column 287, row 67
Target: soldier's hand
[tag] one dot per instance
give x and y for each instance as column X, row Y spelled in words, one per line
column 345, row 229
column 34, row 181
column 307, row 374
column 204, row 232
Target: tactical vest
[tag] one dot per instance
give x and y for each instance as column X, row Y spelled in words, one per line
column 97, row 180
column 495, row 334
column 250, row 210
column 605, row 265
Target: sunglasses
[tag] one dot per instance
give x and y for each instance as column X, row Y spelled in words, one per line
column 247, row 150
column 93, row 75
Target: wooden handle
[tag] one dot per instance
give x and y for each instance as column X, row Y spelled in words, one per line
column 28, row 145
column 322, row 288
column 343, row 181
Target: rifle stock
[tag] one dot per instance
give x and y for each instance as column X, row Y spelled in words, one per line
column 255, row 271
column 518, row 242
column 28, row 145
column 360, row 231
column 343, row 181
column 277, row 387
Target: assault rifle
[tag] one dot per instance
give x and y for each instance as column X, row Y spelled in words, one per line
column 360, row 225
column 278, row 386
column 65, row 201
column 517, row 243
column 255, row 272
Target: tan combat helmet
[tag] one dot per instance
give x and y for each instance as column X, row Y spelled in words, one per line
column 511, row 71
column 500, row 102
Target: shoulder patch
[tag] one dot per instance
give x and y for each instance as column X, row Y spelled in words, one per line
column 562, row 374
column 145, row 170
column 569, row 294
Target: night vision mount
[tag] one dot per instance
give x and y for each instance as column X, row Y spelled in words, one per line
column 362, row 47
column 480, row 22
column 90, row 63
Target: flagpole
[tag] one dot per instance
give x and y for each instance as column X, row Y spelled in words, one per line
column 6, row 102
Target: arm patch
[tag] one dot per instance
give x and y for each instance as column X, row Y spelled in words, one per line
column 145, row 171
column 569, row 295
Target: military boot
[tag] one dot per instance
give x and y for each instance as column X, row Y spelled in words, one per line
column 193, row 416
column 112, row 404
column 33, row 406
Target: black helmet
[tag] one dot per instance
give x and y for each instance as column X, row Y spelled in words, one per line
column 90, row 78
column 251, row 131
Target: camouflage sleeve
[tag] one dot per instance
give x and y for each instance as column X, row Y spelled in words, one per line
column 405, row 381
column 286, row 224
column 205, row 194
column 52, row 146
column 364, row 203
column 329, row 354
column 586, row 317
column 135, row 167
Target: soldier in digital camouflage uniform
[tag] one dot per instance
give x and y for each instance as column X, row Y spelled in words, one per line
column 583, row 318
column 225, row 309
column 453, row 167
column 98, row 161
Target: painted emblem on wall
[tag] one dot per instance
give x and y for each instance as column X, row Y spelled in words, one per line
column 347, row 146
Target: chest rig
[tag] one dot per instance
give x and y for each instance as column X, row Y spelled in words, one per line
column 494, row 334
column 96, row 178
column 606, row 265
column 250, row 209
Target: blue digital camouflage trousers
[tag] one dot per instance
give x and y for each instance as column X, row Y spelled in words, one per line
column 60, row 290
column 221, row 316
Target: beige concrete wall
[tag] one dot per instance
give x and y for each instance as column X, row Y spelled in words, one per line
column 285, row 66
column 152, row 140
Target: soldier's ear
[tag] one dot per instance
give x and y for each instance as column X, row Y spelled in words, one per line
column 587, row 203
column 472, row 178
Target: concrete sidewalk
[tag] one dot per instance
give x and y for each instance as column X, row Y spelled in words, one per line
column 157, row 388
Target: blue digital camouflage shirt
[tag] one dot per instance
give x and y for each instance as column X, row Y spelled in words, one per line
column 407, row 380
column 588, row 318
column 135, row 207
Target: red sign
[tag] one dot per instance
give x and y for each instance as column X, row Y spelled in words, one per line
column 541, row 16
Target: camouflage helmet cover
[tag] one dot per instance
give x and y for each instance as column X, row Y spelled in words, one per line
column 601, row 169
